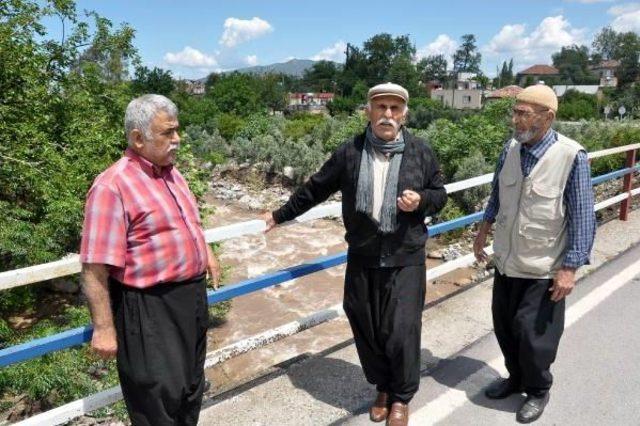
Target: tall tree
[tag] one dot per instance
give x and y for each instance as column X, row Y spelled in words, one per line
column 404, row 73
column 432, row 67
column 321, row 77
column 624, row 47
column 381, row 50
column 605, row 43
column 237, row 93
column 157, row 81
column 628, row 53
column 467, row 58
column 505, row 75
column 573, row 64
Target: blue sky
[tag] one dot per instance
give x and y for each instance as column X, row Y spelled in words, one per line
column 194, row 37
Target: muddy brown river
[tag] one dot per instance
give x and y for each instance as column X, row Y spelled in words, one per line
column 255, row 255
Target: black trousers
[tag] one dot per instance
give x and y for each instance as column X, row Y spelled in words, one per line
column 384, row 307
column 162, row 336
column 528, row 326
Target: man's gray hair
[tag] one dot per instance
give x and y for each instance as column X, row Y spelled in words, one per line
column 141, row 111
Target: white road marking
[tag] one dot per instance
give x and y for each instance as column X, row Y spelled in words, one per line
column 454, row 398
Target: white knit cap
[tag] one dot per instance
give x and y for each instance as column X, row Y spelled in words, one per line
column 541, row 95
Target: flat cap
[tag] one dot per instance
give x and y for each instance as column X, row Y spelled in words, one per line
column 388, row 89
column 540, row 95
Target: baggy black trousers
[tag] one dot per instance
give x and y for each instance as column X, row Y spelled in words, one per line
column 384, row 307
column 162, row 335
column 528, row 326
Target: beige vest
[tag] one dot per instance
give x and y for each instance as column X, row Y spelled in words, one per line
column 531, row 226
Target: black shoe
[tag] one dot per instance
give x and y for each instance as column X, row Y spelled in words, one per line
column 502, row 388
column 532, row 408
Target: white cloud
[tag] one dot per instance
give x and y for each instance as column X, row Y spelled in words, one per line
column 332, row 53
column 238, row 31
column 191, row 58
column 548, row 37
column 627, row 17
column 442, row 45
column 251, row 60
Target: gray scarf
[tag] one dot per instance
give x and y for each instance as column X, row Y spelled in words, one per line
column 364, row 194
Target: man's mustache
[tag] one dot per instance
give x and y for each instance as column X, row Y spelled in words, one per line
column 390, row 121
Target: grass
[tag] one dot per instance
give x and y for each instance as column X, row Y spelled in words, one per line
column 64, row 376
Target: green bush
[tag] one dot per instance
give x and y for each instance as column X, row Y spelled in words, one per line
column 228, row 125
column 343, row 105
column 599, row 135
column 451, row 210
column 484, row 132
column 424, row 111
column 470, row 200
column 205, row 146
column 302, row 124
column 343, row 130
column 578, row 106
column 59, row 377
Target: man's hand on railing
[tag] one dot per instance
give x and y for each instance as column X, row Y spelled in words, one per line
column 271, row 223
column 104, row 342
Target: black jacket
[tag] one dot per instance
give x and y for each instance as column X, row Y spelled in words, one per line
column 419, row 171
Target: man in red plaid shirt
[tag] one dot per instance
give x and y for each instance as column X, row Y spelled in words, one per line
column 144, row 263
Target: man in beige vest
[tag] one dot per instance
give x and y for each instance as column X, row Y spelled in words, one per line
column 542, row 207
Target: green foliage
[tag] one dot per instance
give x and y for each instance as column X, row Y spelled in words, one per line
column 156, row 81
column 259, row 124
column 467, row 58
column 625, row 47
column 207, row 146
column 505, row 75
column 342, row 131
column 236, row 94
column 451, row 211
column 598, row 135
column 470, row 200
column 303, row 155
column 16, row 299
column 61, row 376
column 62, row 114
column 578, row 106
column 60, row 128
column 423, row 111
column 302, row 124
column 573, row 64
column 432, row 68
column 343, row 106
column 321, row 77
column 229, row 124
column 485, row 132
column 403, row 72
column 195, row 110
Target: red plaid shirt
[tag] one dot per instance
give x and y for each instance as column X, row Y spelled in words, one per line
column 143, row 221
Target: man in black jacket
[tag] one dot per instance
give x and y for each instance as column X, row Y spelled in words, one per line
column 390, row 182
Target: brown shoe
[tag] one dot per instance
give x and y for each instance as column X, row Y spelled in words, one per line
column 380, row 408
column 399, row 415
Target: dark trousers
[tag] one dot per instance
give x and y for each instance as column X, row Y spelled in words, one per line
column 162, row 336
column 384, row 307
column 528, row 326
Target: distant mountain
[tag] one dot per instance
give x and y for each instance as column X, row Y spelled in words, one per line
column 293, row 67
